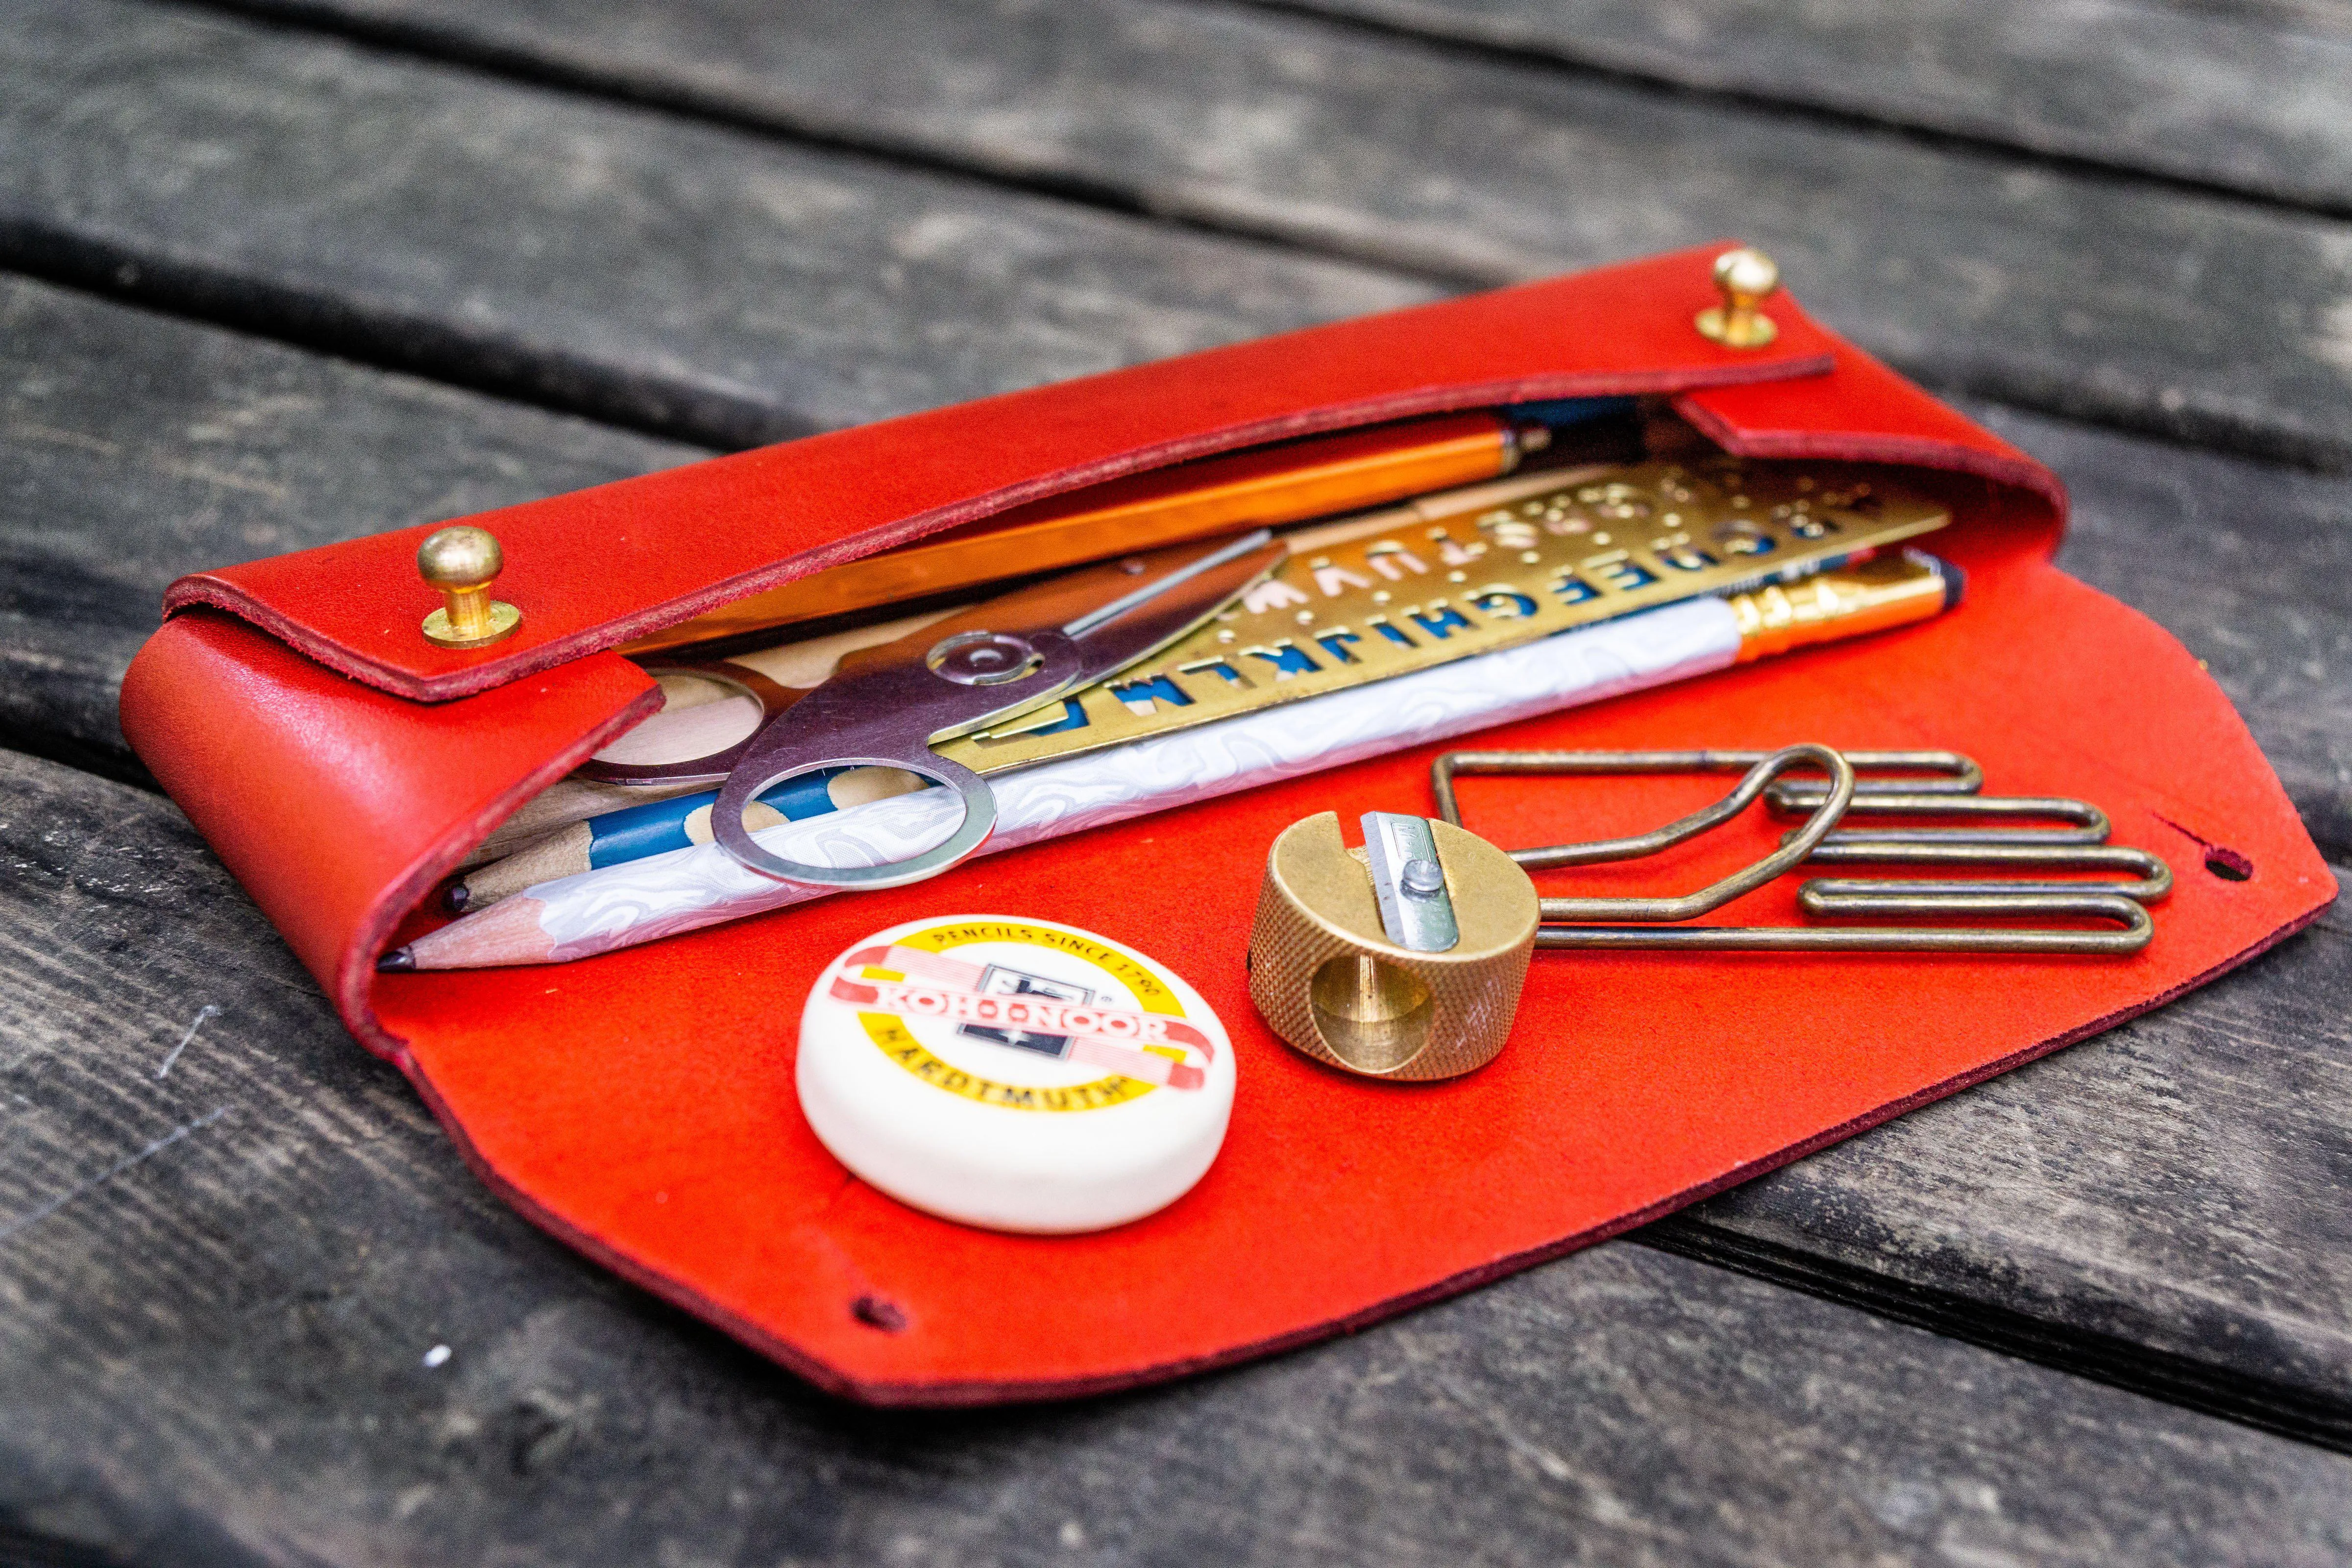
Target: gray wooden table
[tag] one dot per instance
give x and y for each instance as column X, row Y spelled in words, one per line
column 275, row 272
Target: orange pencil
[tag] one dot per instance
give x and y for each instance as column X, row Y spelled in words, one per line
column 1318, row 477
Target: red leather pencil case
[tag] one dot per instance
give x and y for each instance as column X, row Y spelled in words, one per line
column 641, row 1105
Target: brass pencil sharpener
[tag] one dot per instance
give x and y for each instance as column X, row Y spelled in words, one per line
column 1400, row 960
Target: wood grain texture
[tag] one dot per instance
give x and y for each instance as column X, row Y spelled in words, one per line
column 2248, row 565
column 2201, row 317
column 2179, row 1231
column 665, row 274
column 228, row 1238
column 136, row 448
column 230, row 1241
column 2250, row 98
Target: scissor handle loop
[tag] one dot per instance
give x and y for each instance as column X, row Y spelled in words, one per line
column 979, row 822
column 772, row 697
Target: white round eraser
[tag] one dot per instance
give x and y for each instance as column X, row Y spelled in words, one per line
column 1015, row 1074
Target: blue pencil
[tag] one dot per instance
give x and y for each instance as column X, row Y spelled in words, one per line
column 634, row 832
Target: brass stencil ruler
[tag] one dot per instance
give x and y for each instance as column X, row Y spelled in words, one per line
column 1520, row 559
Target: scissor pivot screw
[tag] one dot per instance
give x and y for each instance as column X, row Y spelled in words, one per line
column 463, row 562
column 983, row 658
column 1745, row 277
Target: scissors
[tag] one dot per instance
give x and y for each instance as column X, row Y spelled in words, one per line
column 886, row 706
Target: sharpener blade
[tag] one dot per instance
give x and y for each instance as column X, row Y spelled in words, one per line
column 1416, row 910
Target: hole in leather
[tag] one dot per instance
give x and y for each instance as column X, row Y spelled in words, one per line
column 879, row 1312
column 2228, row 865
column 1373, row 1016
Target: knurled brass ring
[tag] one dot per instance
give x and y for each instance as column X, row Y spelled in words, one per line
column 1328, row 980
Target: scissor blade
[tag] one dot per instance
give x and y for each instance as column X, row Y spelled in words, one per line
column 1189, row 591
column 1118, row 611
column 1205, row 559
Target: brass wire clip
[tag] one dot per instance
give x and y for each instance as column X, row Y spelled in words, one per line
column 1905, row 784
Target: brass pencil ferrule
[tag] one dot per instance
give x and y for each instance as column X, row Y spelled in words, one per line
column 1891, row 590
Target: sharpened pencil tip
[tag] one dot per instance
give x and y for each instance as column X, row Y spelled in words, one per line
column 456, row 897
column 398, row 960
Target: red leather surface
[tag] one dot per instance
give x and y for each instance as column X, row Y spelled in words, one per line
column 337, row 806
column 597, row 568
column 642, row 1104
column 1867, row 411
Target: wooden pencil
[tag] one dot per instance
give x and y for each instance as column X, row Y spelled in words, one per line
column 1316, row 477
column 700, row 886
column 507, row 933
column 670, row 821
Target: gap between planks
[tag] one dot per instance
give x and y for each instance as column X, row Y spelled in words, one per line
column 2229, row 1394
column 337, row 327
column 1567, row 60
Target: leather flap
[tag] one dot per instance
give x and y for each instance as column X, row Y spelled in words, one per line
column 599, row 567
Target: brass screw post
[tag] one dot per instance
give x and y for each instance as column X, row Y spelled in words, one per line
column 1746, row 277
column 463, row 563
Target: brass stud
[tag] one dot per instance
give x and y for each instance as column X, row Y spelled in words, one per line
column 1745, row 276
column 463, row 563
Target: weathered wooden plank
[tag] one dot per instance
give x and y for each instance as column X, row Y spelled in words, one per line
column 137, row 447
column 665, row 274
column 230, row 1242
column 2249, row 564
column 2198, row 316
column 2253, row 100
